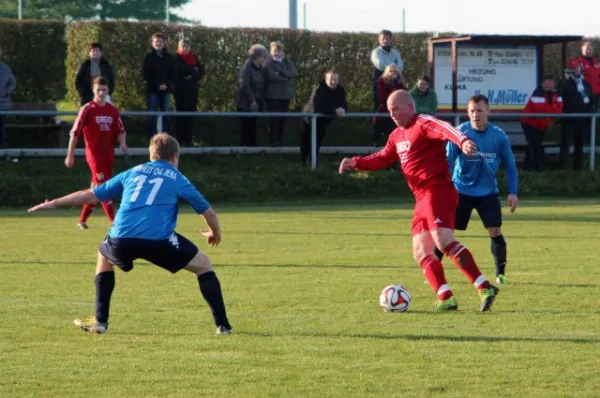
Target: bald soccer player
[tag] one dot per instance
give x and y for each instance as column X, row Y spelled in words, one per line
column 419, row 142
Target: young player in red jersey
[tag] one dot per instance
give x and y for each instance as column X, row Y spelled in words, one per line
column 419, row 144
column 100, row 124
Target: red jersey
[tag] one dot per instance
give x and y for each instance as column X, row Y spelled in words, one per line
column 100, row 126
column 421, row 149
column 590, row 67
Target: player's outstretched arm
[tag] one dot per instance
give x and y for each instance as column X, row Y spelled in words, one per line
column 376, row 161
column 78, row 198
column 213, row 235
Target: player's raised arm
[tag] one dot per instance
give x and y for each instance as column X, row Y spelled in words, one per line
column 78, row 198
column 376, row 161
column 111, row 189
column 437, row 129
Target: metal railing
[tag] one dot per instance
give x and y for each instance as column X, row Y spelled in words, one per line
column 313, row 121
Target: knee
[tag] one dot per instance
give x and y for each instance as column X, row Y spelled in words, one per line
column 103, row 265
column 495, row 232
column 419, row 253
column 200, row 264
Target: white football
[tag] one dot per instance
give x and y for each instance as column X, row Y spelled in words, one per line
column 394, row 298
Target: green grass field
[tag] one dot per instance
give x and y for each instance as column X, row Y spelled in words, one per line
column 301, row 284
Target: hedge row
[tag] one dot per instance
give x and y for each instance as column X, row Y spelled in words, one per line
column 36, row 52
column 266, row 178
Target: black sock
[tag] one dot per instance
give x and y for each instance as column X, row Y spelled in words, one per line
column 105, row 284
column 439, row 254
column 499, row 253
column 210, row 287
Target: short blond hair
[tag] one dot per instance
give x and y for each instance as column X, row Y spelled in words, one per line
column 163, row 147
column 388, row 71
column 277, row 45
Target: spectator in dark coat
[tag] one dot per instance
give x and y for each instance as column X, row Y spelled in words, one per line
column 8, row 83
column 159, row 73
column 281, row 75
column 578, row 97
column 328, row 98
column 390, row 81
column 250, row 93
column 188, row 72
column 95, row 66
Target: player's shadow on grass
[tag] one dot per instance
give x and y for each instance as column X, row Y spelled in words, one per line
column 318, row 266
column 308, row 233
column 562, row 285
column 418, row 337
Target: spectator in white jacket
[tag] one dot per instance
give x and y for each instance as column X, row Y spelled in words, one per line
column 381, row 57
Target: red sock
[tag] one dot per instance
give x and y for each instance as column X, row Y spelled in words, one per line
column 85, row 212
column 463, row 259
column 109, row 210
column 434, row 273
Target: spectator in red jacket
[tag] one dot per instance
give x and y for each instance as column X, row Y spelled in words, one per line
column 544, row 99
column 590, row 67
column 390, row 81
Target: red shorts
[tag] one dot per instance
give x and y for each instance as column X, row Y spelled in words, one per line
column 101, row 171
column 435, row 208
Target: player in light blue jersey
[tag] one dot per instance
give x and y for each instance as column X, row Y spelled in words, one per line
column 475, row 178
column 144, row 228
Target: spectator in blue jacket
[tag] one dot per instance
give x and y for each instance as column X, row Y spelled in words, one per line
column 8, row 83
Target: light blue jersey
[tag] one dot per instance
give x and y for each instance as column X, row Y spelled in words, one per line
column 476, row 175
column 150, row 194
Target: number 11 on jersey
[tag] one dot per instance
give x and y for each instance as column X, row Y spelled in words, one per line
column 140, row 181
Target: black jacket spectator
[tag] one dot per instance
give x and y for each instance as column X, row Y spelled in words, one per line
column 251, row 86
column 83, row 81
column 281, row 89
column 250, row 93
column 326, row 99
column 188, row 72
column 578, row 97
column 158, row 68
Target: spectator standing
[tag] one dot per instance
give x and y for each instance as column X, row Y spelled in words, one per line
column 8, row 84
column 390, row 81
column 381, row 57
column 159, row 73
column 590, row 67
column 578, row 97
column 95, row 66
column 188, row 72
column 251, row 92
column 544, row 99
column 281, row 89
column 425, row 98
column 328, row 98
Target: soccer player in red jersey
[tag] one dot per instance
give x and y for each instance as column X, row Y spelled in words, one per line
column 419, row 144
column 100, row 124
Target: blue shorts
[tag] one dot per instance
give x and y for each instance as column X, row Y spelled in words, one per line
column 172, row 254
column 488, row 207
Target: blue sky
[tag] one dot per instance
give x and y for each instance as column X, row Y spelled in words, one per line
column 491, row 17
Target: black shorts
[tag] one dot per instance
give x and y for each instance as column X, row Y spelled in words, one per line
column 172, row 254
column 488, row 207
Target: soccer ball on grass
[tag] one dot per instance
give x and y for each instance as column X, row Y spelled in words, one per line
column 394, row 298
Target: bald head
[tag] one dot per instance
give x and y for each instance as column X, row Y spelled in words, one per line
column 402, row 107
